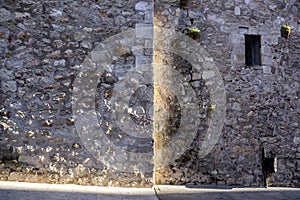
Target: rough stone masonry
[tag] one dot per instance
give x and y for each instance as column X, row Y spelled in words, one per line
column 44, row 43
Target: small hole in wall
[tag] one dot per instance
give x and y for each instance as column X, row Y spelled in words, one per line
column 192, row 21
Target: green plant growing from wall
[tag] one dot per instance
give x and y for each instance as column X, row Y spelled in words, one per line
column 194, row 32
column 212, row 108
column 285, row 31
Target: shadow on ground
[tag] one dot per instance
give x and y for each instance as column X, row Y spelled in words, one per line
column 225, row 193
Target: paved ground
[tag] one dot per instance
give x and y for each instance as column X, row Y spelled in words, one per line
column 193, row 193
column 36, row 191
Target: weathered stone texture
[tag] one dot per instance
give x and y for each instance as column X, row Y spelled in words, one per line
column 42, row 43
column 262, row 102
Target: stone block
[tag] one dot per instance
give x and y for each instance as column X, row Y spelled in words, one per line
column 216, row 19
column 29, row 159
column 5, row 15
column 142, row 60
column 143, row 6
column 61, row 62
column 86, row 44
column 196, row 76
column 144, row 31
column 6, row 74
column 237, row 10
column 195, row 84
column 121, row 70
column 296, row 140
column 15, row 176
column 266, row 50
column 274, row 40
column 79, row 36
column 122, row 50
column 9, row 86
column 165, row 12
column 229, row 4
column 148, row 43
column 247, row 2
column 208, row 75
column 243, row 29
column 236, row 106
column 177, row 12
column 265, row 60
column 237, row 38
column 56, row 13
column 149, row 17
column 193, row 14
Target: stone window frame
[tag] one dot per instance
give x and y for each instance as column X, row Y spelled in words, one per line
column 269, row 37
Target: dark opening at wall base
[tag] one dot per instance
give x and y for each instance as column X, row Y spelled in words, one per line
column 269, row 165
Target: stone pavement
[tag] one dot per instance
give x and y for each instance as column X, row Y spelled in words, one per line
column 226, row 193
column 38, row 191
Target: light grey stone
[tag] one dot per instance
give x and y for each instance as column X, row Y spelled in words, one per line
column 142, row 6
column 5, row 15
column 247, row 1
column 79, row 36
column 237, row 10
column 6, row 74
column 61, row 62
column 22, row 15
column 229, row 4
column 208, row 75
column 265, row 60
column 142, row 60
column 236, row 106
column 215, row 18
column 144, row 31
column 9, row 86
column 149, row 17
column 56, row 13
column 86, row 44
column 296, row 140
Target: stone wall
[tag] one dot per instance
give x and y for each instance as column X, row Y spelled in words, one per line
column 262, row 108
column 45, row 46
